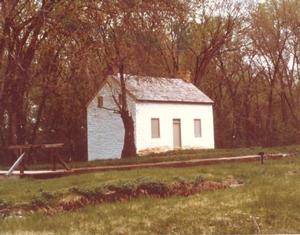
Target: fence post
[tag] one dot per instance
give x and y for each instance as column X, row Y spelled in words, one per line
column 261, row 157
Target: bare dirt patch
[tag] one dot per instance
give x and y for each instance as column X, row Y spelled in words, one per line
column 78, row 198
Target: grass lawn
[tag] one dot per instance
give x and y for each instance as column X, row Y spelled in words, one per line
column 267, row 203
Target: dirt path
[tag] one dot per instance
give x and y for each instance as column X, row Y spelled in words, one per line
column 184, row 163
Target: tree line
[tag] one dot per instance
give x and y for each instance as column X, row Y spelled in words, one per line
column 54, row 55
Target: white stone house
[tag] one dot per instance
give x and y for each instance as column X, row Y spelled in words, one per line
column 168, row 114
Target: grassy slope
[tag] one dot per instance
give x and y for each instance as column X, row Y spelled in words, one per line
column 25, row 190
column 267, row 203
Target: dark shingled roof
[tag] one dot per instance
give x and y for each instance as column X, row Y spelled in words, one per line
column 158, row 89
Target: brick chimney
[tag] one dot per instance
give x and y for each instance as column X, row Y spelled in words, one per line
column 185, row 75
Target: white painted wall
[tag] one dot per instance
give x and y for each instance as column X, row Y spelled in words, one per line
column 105, row 128
column 166, row 113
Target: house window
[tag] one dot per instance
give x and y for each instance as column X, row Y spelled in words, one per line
column 197, row 128
column 120, row 100
column 155, row 132
column 100, row 101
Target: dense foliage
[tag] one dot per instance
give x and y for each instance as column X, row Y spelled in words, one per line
column 54, row 54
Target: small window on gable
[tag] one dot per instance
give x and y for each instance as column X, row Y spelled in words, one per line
column 155, row 132
column 197, row 128
column 100, row 101
column 120, row 99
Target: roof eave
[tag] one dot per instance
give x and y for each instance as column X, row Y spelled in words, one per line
column 173, row 102
column 102, row 84
column 127, row 90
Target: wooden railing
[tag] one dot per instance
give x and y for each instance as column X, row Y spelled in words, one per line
column 16, row 164
column 23, row 150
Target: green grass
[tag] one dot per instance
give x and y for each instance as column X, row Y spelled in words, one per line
column 267, row 203
column 25, row 190
column 177, row 155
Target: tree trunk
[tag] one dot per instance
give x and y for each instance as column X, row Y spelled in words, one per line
column 129, row 148
column 269, row 138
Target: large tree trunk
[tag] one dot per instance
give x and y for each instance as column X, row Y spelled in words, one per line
column 129, row 148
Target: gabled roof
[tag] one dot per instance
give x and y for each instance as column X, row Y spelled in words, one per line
column 159, row 89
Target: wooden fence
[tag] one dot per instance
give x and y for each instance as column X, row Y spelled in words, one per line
column 23, row 150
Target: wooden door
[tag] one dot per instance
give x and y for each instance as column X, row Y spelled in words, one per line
column 176, row 133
